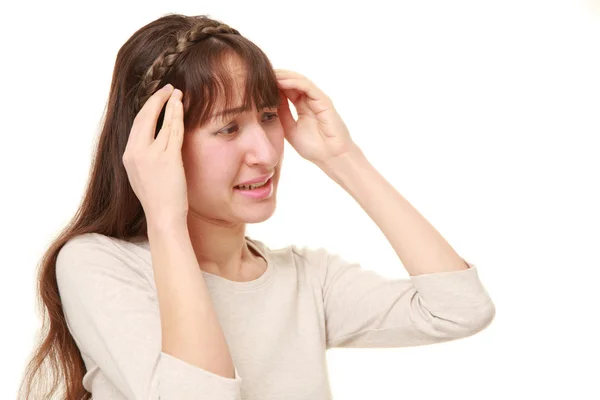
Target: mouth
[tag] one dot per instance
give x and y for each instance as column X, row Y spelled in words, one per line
column 254, row 186
column 257, row 190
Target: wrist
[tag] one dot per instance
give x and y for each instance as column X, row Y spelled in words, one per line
column 344, row 164
column 168, row 225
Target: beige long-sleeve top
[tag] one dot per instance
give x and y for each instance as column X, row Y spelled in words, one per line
column 278, row 326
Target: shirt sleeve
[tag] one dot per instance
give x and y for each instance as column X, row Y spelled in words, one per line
column 112, row 312
column 365, row 309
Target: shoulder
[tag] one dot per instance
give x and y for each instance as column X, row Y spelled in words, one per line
column 311, row 256
column 104, row 242
column 90, row 246
column 317, row 260
column 92, row 258
column 301, row 254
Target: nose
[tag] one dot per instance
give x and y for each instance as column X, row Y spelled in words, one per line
column 262, row 147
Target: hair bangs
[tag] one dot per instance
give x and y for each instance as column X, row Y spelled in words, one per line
column 213, row 91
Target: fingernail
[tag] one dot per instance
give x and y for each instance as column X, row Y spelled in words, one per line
column 168, row 86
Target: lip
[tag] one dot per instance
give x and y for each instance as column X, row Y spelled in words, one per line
column 258, row 194
column 257, row 180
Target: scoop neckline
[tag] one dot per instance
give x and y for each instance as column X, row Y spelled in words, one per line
column 216, row 280
column 245, row 285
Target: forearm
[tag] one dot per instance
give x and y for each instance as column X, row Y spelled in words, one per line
column 420, row 247
column 190, row 327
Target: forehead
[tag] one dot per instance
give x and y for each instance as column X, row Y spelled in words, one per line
column 231, row 86
column 234, row 65
column 236, row 80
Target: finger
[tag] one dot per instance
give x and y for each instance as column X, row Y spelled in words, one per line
column 317, row 100
column 162, row 139
column 283, row 99
column 286, row 73
column 304, row 85
column 283, row 74
column 177, row 125
column 291, row 94
column 285, row 115
column 299, row 100
column 144, row 124
column 315, row 93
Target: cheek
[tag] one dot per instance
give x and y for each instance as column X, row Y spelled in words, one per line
column 278, row 139
column 208, row 167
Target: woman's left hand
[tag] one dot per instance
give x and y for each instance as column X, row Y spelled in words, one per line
column 319, row 135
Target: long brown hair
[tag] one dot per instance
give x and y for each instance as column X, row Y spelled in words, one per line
column 192, row 53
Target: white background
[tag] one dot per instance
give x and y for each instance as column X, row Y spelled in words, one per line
column 484, row 115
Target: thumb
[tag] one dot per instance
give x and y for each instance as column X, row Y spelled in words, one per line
column 285, row 115
column 177, row 123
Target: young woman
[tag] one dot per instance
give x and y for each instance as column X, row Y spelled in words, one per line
column 155, row 292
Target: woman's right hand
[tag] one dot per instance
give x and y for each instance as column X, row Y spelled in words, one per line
column 155, row 166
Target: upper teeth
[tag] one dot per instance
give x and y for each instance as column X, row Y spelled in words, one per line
column 252, row 186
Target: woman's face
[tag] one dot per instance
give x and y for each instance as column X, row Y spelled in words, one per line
column 227, row 152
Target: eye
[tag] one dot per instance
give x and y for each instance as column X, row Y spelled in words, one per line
column 272, row 114
column 230, row 130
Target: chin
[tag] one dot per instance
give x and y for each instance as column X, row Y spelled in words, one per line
column 256, row 213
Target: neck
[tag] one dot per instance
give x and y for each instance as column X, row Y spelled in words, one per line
column 220, row 250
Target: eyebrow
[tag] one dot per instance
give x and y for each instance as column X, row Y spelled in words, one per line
column 229, row 112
